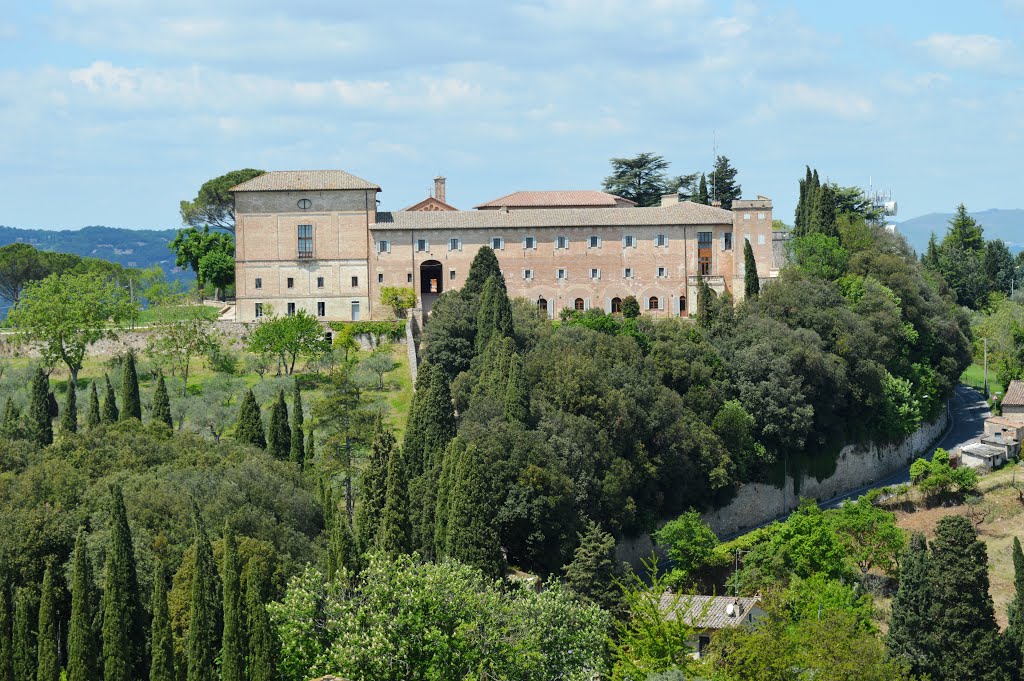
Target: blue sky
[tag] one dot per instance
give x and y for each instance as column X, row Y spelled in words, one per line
column 114, row 110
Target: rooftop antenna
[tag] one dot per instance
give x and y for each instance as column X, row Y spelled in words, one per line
column 714, row 163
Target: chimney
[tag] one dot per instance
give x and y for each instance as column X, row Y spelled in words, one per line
column 716, row 203
column 669, row 200
column 439, row 188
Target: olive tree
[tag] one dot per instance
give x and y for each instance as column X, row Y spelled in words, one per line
column 288, row 338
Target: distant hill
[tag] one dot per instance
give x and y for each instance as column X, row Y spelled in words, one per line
column 127, row 247
column 1004, row 224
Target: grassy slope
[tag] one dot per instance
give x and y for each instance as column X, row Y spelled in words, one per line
column 974, row 376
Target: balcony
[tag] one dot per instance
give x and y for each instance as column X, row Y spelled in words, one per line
column 711, row 279
column 305, row 255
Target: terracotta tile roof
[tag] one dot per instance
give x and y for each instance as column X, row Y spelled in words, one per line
column 1014, row 395
column 684, row 213
column 707, row 612
column 546, row 199
column 303, row 180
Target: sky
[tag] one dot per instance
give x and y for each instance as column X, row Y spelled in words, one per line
column 112, row 111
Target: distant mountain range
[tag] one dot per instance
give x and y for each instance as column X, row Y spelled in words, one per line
column 127, row 247
column 1007, row 225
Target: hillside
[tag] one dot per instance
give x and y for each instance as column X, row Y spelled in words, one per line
column 128, row 247
column 1005, row 224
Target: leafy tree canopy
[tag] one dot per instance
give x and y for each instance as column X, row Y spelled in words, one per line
column 214, row 206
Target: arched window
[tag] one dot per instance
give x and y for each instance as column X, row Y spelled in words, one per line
column 542, row 304
column 653, row 303
column 682, row 306
column 578, row 304
column 616, row 305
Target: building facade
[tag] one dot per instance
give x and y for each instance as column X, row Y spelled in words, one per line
column 315, row 240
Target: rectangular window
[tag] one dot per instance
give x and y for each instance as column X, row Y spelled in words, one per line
column 629, row 241
column 259, row 310
column 380, row 277
column 383, row 246
column 594, row 242
column 562, row 274
column 421, row 245
column 355, row 282
column 760, row 216
column 408, row 278
column 595, row 273
column 746, row 216
column 291, row 283
column 661, row 241
column 661, row 273
column 454, row 244
column 497, row 243
column 319, row 282
column 727, row 241
column 291, row 309
column 527, row 274
column 259, row 282
column 321, row 309
column 562, row 242
column 451, row 275
column 627, row 273
column 305, row 242
column 760, row 239
column 704, row 253
column 529, row 243
column 355, row 310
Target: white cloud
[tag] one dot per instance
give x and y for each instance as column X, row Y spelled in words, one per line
column 965, row 51
column 840, row 103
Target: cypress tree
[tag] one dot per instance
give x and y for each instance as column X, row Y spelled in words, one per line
column 298, row 445
column 310, row 446
column 250, row 424
column 823, row 219
column 232, row 652
column 373, row 488
column 161, row 412
column 394, row 536
column 161, row 660
column 494, row 314
column 69, row 419
column 484, row 266
column 593, row 571
column 343, row 552
column 751, row 283
column 966, row 643
column 131, row 403
column 705, row 308
column 702, row 191
column 83, row 644
column 1015, row 611
column 279, row 437
column 6, row 632
column 47, row 664
column 93, row 418
column 110, row 413
column 40, row 427
column 798, row 217
column 23, row 658
column 123, row 635
column 909, row 625
column 260, row 658
column 517, row 397
column 201, row 644
column 11, row 427
column 471, row 536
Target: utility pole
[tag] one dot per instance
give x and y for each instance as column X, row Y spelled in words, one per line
column 986, row 367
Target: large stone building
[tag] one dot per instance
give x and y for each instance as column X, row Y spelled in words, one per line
column 315, row 240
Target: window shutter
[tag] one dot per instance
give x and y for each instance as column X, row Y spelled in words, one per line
column 647, row 302
column 608, row 305
column 586, row 303
column 388, row 243
column 661, row 303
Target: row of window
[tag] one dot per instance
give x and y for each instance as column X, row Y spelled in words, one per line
column 560, row 242
column 290, row 282
column 652, row 303
column 321, row 309
column 562, row 273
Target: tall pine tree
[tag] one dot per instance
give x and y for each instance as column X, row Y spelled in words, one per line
column 201, row 642
column 298, row 445
column 259, row 660
column 373, row 487
column 69, row 418
column 131, row 403
column 909, row 625
column 232, row 652
column 472, row 536
column 83, row 641
column 161, row 411
column 494, row 314
column 93, row 418
column 724, row 187
column 161, row 649
column 751, row 282
column 823, row 219
column 517, row 397
column 6, row 631
column 484, row 266
column 1015, row 611
column 110, row 413
column 123, row 636
column 964, row 233
column 47, row 636
column 394, row 536
column 23, row 658
column 40, row 427
column 11, row 428
column 593, row 570
column 279, row 436
column 250, row 424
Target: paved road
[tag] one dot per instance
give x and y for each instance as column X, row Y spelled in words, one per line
column 968, row 411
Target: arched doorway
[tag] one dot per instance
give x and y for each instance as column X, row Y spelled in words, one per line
column 682, row 306
column 542, row 305
column 616, row 305
column 431, row 279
